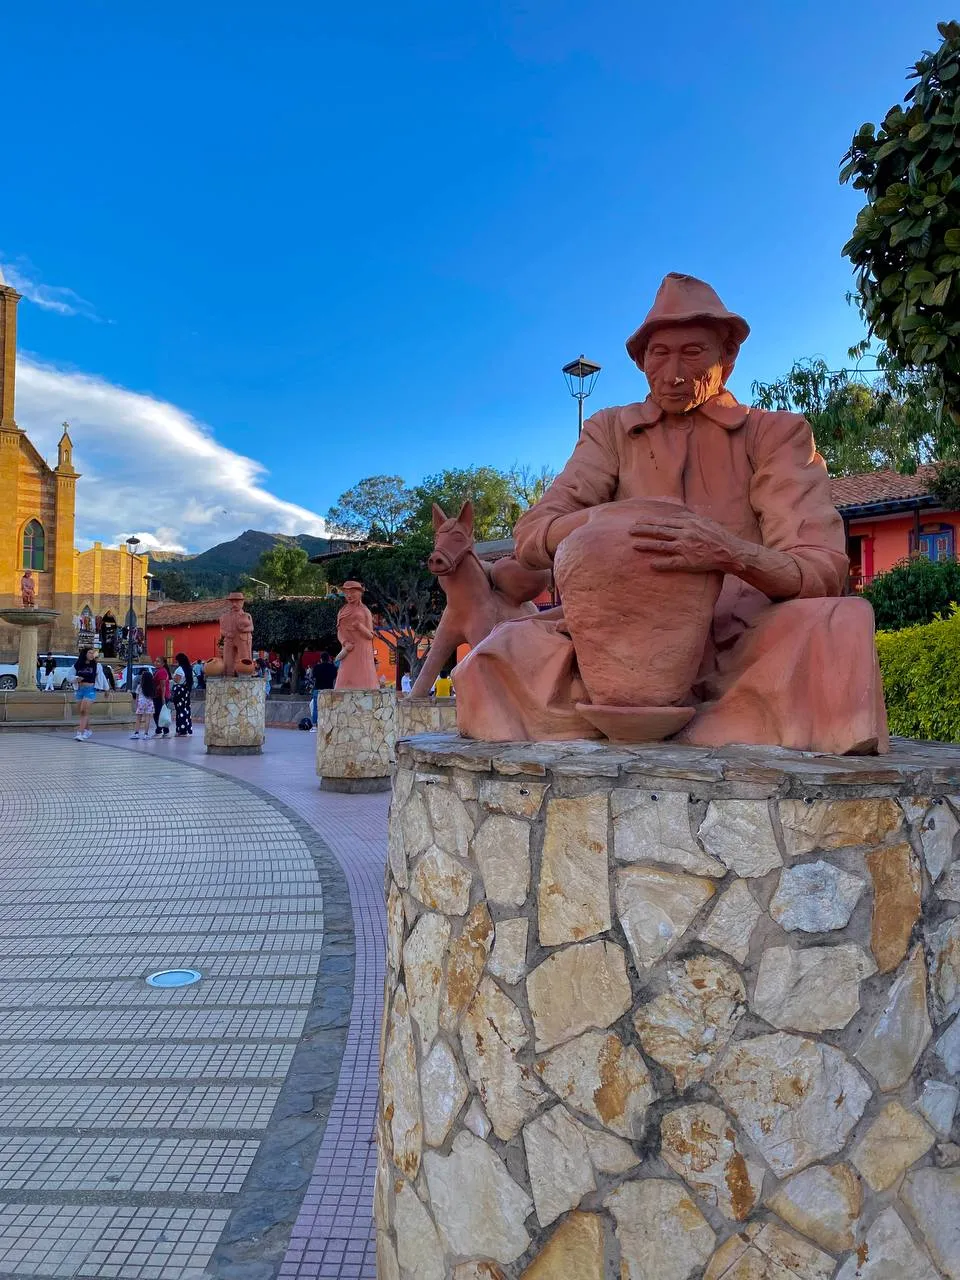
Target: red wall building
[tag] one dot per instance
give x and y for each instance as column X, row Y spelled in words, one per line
column 191, row 627
column 889, row 517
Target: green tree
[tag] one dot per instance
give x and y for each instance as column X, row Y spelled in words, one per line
column 399, row 590
column 906, row 242
column 892, row 423
column 529, row 484
column 496, row 504
column 378, row 508
column 290, row 626
column 286, row 568
column 914, row 592
column 175, row 585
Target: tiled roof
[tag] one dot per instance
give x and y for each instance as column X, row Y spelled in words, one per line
column 880, row 486
column 177, row 613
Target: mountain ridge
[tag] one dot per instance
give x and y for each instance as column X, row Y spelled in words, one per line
column 221, row 568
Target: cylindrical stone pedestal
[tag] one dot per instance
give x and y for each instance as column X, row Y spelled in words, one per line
column 234, row 715
column 663, row 1013
column 356, row 733
column 425, row 715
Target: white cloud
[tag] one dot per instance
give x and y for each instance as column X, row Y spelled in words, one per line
column 161, row 540
column 49, row 296
column 148, row 465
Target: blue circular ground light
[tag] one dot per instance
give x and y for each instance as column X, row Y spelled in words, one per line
column 174, row 978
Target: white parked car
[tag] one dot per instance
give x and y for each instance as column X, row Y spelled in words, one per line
column 63, row 674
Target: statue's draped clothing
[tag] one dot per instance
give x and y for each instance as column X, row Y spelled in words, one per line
column 799, row 673
column 357, row 669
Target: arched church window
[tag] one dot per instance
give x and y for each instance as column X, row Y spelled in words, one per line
column 34, row 549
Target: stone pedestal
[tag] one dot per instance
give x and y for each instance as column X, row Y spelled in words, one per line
column 234, row 715
column 425, row 715
column 664, row 1012
column 356, row 733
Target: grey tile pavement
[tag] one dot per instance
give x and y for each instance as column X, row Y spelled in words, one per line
column 131, row 1118
column 332, row 1235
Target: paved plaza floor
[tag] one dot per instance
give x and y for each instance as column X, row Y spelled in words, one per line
column 223, row 1129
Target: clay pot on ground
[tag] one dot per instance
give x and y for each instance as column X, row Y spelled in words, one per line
column 639, row 633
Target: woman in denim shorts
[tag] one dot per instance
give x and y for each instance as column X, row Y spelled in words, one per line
column 85, row 680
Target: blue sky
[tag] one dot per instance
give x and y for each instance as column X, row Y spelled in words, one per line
column 334, row 241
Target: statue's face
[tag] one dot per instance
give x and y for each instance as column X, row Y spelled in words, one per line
column 353, row 595
column 684, row 364
column 236, row 605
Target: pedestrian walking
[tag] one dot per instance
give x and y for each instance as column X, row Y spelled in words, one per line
column 198, row 676
column 161, row 696
column 49, row 668
column 85, row 682
column 182, row 686
column 324, row 677
column 146, row 690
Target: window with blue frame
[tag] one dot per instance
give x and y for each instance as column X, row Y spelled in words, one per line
column 34, row 552
column 937, row 542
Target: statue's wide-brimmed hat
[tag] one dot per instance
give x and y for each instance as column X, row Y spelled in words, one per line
column 681, row 300
column 235, row 595
column 351, row 585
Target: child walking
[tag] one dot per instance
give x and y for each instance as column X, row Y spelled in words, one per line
column 145, row 693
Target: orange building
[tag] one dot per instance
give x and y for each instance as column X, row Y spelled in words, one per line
column 889, row 517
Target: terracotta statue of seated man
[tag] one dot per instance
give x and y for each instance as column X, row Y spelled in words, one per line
column 700, row 561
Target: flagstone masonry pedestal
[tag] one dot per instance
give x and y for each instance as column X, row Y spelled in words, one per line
column 425, row 715
column 356, row 735
column 234, row 715
column 668, row 1013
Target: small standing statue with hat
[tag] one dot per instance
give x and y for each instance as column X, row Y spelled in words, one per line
column 357, row 669
column 701, row 564
column 236, row 626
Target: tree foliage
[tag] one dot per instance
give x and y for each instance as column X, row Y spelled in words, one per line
column 286, row 568
column 399, row 590
column 497, row 505
column 290, row 626
column 906, row 242
column 378, row 508
column 894, row 422
column 914, row 592
column 175, row 585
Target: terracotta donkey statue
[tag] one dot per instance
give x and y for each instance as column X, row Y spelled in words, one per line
column 479, row 595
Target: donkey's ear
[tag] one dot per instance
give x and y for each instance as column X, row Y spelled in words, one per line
column 439, row 517
column 466, row 515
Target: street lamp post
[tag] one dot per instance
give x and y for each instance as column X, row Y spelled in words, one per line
column 148, row 583
column 132, row 543
column 581, row 374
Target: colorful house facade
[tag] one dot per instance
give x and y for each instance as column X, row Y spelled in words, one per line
column 889, row 517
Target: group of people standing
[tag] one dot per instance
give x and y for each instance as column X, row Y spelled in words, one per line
column 155, row 689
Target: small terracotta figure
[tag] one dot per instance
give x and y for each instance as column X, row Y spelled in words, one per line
column 777, row 656
column 28, row 590
column 355, row 632
column 479, row 596
column 236, row 627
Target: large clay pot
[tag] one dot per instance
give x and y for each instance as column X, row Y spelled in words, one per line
column 639, row 633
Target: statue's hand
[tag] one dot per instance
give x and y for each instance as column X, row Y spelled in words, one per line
column 687, row 543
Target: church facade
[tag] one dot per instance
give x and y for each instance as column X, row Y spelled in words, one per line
column 90, row 589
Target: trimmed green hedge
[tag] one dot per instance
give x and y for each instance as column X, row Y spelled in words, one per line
column 921, row 679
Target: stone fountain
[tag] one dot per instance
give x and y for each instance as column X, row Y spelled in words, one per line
column 29, row 619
